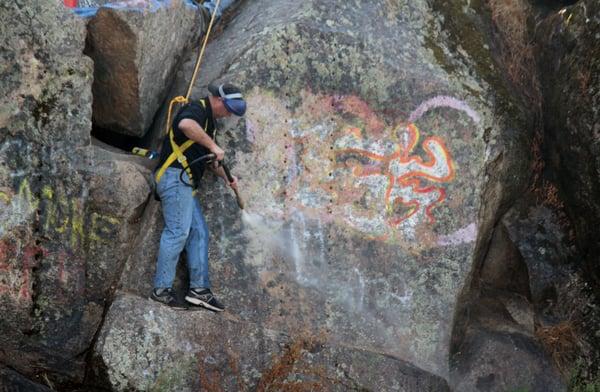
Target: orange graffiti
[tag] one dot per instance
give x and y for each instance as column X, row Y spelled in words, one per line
column 405, row 170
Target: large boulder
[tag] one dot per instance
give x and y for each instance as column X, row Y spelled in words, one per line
column 67, row 209
column 149, row 347
column 135, row 50
column 570, row 68
column 381, row 145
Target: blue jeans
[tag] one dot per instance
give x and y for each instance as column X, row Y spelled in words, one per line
column 185, row 227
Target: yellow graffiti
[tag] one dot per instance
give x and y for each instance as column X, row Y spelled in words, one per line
column 61, row 214
column 4, row 196
column 62, row 227
column 47, row 192
column 26, row 195
column 76, row 223
column 52, row 211
column 101, row 224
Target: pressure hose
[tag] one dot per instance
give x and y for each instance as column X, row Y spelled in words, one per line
column 207, row 159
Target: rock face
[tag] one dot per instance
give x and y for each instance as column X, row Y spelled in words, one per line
column 383, row 143
column 12, row 381
column 380, row 147
column 135, row 51
column 499, row 351
column 64, row 218
column 570, row 69
column 227, row 353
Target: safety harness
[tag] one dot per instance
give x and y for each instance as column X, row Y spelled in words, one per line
column 178, row 152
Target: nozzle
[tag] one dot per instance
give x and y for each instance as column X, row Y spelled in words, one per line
column 238, row 198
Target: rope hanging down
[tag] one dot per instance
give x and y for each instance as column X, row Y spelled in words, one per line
column 182, row 99
column 201, row 53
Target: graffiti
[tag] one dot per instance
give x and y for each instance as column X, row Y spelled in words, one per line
column 340, row 161
column 392, row 171
column 17, row 281
column 464, row 235
column 56, row 219
column 443, row 102
column 56, row 213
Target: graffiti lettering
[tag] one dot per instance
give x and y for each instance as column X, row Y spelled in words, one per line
column 16, row 281
column 57, row 217
column 58, row 214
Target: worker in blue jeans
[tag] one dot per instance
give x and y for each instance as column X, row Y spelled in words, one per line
column 191, row 138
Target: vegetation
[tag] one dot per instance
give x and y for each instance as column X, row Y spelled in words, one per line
column 580, row 382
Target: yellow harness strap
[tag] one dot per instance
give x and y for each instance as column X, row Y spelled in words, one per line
column 178, row 152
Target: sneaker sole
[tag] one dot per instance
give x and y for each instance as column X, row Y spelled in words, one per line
column 199, row 302
column 178, row 307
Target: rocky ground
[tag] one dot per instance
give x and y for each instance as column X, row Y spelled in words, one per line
column 421, row 183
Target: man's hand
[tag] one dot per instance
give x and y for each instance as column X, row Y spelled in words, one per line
column 218, row 151
column 233, row 184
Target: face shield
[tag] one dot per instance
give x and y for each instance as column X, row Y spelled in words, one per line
column 234, row 102
column 235, row 106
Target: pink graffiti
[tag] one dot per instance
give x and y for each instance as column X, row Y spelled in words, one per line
column 30, row 261
column 464, row 235
column 443, row 101
column 250, row 131
column 19, row 286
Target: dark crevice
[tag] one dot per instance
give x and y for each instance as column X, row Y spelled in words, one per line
column 34, row 255
column 24, row 384
column 91, row 378
column 545, row 7
column 117, row 140
column 90, row 375
column 554, row 3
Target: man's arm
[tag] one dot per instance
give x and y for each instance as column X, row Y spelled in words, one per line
column 193, row 131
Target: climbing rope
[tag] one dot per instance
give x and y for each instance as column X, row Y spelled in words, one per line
column 201, row 53
column 182, row 99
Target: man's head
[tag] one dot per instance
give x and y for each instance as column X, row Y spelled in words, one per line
column 226, row 99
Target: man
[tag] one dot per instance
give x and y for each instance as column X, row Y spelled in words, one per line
column 192, row 137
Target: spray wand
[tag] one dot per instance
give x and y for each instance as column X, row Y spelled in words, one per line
column 208, row 158
column 238, row 198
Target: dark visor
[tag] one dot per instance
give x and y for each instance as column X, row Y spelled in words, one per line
column 235, row 106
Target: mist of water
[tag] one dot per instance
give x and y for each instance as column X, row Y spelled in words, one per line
column 302, row 244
